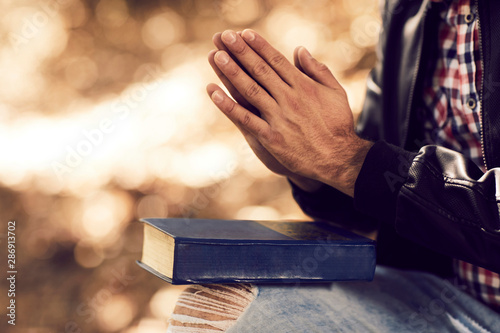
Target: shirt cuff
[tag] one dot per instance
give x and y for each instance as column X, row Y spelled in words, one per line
column 382, row 175
column 329, row 204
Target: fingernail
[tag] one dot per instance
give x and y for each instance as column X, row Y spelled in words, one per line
column 217, row 97
column 248, row 35
column 222, row 58
column 229, row 36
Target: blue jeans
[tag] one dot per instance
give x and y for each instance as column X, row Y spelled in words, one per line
column 396, row 301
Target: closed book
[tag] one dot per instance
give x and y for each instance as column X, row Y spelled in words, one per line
column 187, row 251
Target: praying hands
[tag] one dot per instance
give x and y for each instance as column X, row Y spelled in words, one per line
column 296, row 118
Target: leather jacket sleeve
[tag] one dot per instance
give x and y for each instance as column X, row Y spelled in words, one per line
column 433, row 196
column 331, row 205
column 437, row 198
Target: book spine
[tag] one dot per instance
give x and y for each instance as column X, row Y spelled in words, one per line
column 237, row 262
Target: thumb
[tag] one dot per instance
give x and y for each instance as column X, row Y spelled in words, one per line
column 316, row 70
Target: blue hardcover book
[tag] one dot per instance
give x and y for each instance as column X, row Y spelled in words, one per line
column 187, row 251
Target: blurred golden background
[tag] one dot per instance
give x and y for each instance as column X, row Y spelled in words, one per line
column 104, row 119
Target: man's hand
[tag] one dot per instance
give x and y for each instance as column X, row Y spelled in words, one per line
column 305, row 122
column 260, row 151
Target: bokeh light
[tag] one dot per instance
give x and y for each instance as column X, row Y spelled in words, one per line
column 104, row 119
column 163, row 301
column 112, row 13
column 152, row 205
column 88, row 255
column 240, row 12
column 162, row 30
column 81, row 73
column 258, row 213
column 117, row 313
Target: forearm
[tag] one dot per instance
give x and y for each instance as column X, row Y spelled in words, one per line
column 349, row 160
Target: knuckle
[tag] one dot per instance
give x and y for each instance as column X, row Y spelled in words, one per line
column 252, row 90
column 267, row 136
column 294, row 105
column 232, row 71
column 259, row 45
column 322, row 67
column 246, row 119
column 240, row 48
column 273, row 138
column 293, row 102
column 310, row 91
column 343, row 92
column 276, row 60
column 230, row 107
column 261, row 69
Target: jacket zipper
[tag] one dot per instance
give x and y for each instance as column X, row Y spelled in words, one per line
column 481, row 125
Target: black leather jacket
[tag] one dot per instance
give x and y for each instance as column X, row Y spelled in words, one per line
column 429, row 203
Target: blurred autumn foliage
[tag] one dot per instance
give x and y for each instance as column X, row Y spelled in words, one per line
column 104, row 119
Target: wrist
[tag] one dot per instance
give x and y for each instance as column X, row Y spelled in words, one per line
column 305, row 184
column 348, row 165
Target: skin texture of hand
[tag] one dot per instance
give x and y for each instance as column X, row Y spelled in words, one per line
column 260, row 151
column 301, row 121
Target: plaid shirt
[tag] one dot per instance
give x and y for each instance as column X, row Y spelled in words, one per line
column 451, row 98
